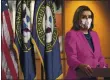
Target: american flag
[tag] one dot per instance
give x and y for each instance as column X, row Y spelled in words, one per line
column 9, row 64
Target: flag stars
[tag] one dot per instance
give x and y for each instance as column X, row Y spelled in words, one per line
column 6, row 4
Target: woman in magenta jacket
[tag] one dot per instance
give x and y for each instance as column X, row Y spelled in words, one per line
column 82, row 45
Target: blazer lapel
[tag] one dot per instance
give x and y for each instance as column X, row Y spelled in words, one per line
column 81, row 35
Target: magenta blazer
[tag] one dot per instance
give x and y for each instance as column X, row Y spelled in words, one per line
column 78, row 51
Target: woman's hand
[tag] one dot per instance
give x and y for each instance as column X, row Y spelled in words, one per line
column 86, row 68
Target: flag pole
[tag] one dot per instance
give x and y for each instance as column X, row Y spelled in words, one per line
column 42, row 73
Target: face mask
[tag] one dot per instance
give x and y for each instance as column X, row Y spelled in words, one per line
column 86, row 22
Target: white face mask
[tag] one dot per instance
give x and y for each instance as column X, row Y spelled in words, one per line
column 86, row 22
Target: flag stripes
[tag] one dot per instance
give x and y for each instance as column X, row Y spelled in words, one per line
column 9, row 65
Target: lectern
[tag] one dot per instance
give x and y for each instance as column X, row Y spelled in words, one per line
column 97, row 72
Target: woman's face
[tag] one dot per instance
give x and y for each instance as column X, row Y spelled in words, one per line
column 85, row 20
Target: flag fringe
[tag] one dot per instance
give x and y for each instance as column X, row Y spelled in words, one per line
column 60, row 77
column 20, row 75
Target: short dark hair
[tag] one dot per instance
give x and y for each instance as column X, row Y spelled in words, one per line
column 77, row 16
